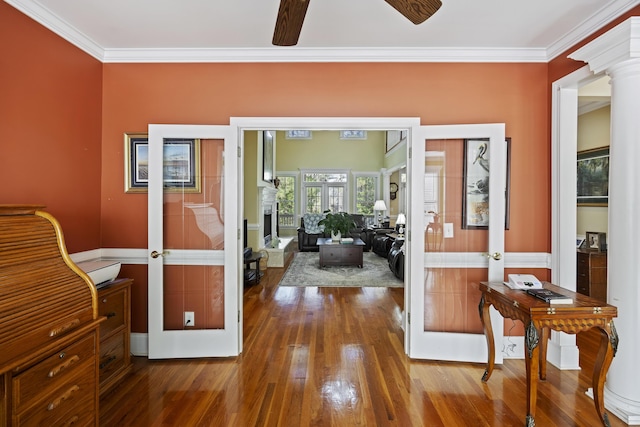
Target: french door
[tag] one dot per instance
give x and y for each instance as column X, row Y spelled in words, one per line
column 456, row 173
column 194, row 284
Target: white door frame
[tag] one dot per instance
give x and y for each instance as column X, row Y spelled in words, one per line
column 241, row 124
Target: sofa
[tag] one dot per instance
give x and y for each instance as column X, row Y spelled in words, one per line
column 396, row 258
column 380, row 242
column 309, row 232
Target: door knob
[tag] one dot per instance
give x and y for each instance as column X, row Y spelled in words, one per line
column 156, row 254
column 496, row 255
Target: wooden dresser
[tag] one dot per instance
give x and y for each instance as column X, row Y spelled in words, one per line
column 48, row 326
column 115, row 361
column 592, row 274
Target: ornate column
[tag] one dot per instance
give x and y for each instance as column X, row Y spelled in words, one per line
column 617, row 52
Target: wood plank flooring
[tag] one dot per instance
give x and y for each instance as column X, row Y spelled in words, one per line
column 335, row 357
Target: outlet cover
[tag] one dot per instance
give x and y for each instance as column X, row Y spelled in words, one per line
column 189, row 319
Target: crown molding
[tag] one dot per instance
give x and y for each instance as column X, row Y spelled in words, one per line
column 47, row 19
column 43, row 16
column 619, row 44
column 324, row 55
column 591, row 25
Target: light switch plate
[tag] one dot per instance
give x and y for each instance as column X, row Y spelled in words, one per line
column 448, row 230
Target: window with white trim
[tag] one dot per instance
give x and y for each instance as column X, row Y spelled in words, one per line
column 286, row 197
column 324, row 190
column 366, row 194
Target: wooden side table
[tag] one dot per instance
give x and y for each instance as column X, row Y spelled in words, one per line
column 252, row 274
column 539, row 318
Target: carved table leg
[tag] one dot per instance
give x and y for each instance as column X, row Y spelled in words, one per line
column 485, row 318
column 531, row 358
column 543, row 353
column 606, row 352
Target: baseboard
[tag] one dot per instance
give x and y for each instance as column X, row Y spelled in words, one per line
column 139, row 344
column 627, row 410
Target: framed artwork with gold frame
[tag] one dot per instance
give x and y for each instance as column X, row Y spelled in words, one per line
column 181, row 164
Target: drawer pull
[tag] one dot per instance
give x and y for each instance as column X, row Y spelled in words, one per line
column 107, row 362
column 64, row 328
column 61, row 367
column 53, row 405
column 72, row 421
column 110, row 315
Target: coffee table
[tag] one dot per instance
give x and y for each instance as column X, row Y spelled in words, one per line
column 336, row 253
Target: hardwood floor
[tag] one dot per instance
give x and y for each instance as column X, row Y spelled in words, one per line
column 335, row 357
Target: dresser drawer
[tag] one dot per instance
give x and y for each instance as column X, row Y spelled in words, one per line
column 53, row 372
column 111, row 304
column 112, row 356
column 72, row 404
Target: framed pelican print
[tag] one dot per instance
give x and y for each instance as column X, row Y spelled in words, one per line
column 475, row 182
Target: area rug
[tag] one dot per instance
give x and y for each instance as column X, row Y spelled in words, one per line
column 305, row 270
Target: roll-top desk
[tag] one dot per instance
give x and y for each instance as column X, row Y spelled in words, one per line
column 48, row 326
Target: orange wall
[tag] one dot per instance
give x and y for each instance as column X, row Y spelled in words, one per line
column 138, row 94
column 63, row 115
column 50, row 122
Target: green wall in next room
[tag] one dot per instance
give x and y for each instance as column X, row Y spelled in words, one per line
column 327, row 151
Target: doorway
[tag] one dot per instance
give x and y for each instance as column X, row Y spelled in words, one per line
column 415, row 250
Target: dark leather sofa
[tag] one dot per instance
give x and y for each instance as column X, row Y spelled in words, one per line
column 396, row 258
column 380, row 242
column 307, row 242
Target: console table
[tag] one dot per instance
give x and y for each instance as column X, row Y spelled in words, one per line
column 336, row 253
column 539, row 318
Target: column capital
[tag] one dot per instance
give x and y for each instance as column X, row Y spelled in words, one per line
column 619, row 44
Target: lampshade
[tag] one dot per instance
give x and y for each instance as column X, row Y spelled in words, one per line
column 401, row 220
column 379, row 206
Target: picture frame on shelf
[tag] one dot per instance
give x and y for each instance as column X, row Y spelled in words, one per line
column 181, row 164
column 596, row 241
column 580, row 239
column 475, row 182
column 592, row 187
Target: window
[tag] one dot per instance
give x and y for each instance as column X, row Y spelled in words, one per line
column 298, row 134
column 286, row 197
column 353, row 134
column 324, row 191
column 366, row 186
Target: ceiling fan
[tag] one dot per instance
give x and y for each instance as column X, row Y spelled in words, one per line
column 291, row 16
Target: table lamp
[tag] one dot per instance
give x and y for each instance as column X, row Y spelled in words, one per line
column 379, row 206
column 400, row 223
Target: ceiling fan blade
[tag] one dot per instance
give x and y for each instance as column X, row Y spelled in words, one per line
column 416, row 11
column 289, row 22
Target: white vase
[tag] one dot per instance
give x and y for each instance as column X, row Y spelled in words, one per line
column 336, row 236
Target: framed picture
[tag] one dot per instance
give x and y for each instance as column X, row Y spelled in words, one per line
column 475, row 181
column 181, row 164
column 267, row 156
column 596, row 241
column 395, row 137
column 580, row 241
column 593, row 177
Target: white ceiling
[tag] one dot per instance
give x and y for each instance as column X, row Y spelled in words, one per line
column 343, row 30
